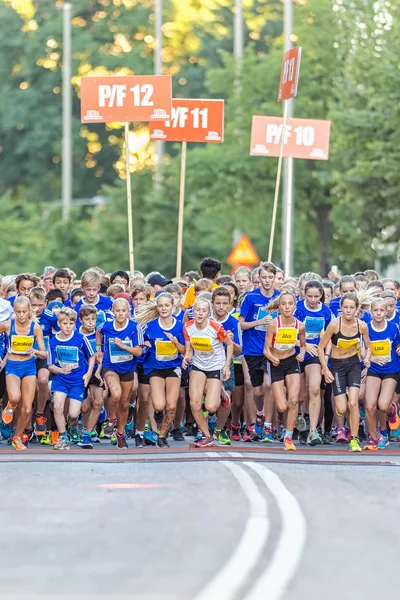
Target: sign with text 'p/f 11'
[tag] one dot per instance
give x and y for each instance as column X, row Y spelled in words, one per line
column 192, row 121
column 304, row 138
column 126, row 99
column 289, row 74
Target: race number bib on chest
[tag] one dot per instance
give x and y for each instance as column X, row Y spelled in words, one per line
column 165, row 351
column 314, row 327
column 381, row 348
column 67, row 356
column 21, row 344
column 346, row 344
column 202, row 344
column 119, row 355
column 285, row 338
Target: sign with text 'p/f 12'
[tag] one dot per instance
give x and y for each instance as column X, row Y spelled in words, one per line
column 192, row 121
column 304, row 138
column 289, row 74
column 126, row 99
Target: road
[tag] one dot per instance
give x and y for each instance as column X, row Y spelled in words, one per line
column 241, row 523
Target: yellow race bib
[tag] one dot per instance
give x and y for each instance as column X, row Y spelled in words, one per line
column 166, row 350
column 381, row 348
column 21, row 344
column 285, row 338
column 201, row 344
column 346, row 344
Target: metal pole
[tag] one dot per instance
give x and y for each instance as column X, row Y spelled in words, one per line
column 181, row 212
column 238, row 42
column 66, row 115
column 129, row 199
column 288, row 165
column 158, row 71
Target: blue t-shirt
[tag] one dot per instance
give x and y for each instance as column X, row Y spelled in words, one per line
column 162, row 354
column 103, row 305
column 230, row 323
column 48, row 322
column 395, row 319
column 315, row 322
column 335, row 306
column 118, row 359
column 76, row 351
column 180, row 315
column 384, row 343
column 254, row 308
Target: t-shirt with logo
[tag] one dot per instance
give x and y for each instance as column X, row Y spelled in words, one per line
column 74, row 351
column 315, row 322
column 103, row 305
column 163, row 354
column 115, row 358
column 207, row 344
column 254, row 308
column 384, row 344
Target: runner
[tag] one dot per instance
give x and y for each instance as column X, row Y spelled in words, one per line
column 210, row 268
column 62, row 280
column 118, row 345
column 279, row 279
column 345, row 333
column 281, row 339
column 90, row 284
column 392, row 314
column 383, row 375
column 22, row 333
column 120, row 277
column 242, row 278
column 210, row 365
column 347, row 284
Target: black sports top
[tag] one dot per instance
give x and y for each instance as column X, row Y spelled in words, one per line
column 344, row 341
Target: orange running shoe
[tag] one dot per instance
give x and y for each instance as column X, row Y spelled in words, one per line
column 40, row 425
column 288, row 444
column 372, row 445
column 393, row 417
column 54, row 437
column 17, row 443
column 8, row 413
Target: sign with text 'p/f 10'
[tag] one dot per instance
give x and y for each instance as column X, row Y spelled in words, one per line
column 192, row 121
column 126, row 99
column 304, row 138
column 289, row 74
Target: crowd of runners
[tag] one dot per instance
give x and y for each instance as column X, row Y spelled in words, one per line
column 250, row 357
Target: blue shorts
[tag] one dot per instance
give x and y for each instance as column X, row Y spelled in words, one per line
column 73, row 391
column 21, row 368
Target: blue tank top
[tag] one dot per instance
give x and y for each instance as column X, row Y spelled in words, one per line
column 18, row 343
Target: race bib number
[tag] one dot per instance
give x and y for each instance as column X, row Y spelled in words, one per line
column 346, row 344
column 101, row 318
column 381, row 348
column 314, row 327
column 201, row 344
column 165, row 351
column 67, row 356
column 21, row 344
column 92, row 342
column 285, row 338
column 262, row 312
column 118, row 355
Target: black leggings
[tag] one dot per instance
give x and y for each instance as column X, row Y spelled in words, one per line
column 328, row 407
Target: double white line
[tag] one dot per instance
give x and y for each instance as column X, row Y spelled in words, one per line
column 282, row 567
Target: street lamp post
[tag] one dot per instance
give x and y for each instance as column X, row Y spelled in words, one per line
column 66, row 115
column 288, row 202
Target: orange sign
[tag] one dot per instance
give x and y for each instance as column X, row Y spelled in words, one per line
column 304, row 138
column 289, row 74
column 192, row 121
column 121, row 99
column 243, row 253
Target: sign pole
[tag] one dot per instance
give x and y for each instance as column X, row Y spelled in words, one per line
column 277, row 183
column 181, row 209
column 129, row 199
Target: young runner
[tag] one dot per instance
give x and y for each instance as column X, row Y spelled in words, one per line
column 90, row 283
column 347, row 284
column 120, row 277
column 118, row 344
column 210, row 268
column 242, row 278
column 279, row 279
column 22, row 333
column 345, row 333
column 62, row 280
column 210, row 365
column 280, row 343
column 392, row 314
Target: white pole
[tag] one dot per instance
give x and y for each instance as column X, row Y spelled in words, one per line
column 158, row 71
column 181, row 212
column 238, row 43
column 277, row 183
column 288, row 164
column 66, row 115
column 129, row 200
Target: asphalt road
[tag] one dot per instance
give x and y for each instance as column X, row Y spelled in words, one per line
column 239, row 523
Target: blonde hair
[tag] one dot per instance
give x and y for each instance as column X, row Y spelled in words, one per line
column 389, row 294
column 114, row 289
column 67, row 314
column 149, row 311
column 246, row 271
column 202, row 300
column 91, row 277
column 120, row 301
column 308, row 277
column 203, row 285
column 378, row 301
column 37, row 292
column 274, row 304
column 8, row 285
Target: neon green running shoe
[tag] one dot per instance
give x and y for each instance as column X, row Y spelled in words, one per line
column 223, row 437
column 46, row 438
column 354, row 445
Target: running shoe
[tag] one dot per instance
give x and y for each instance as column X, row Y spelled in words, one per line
column 326, row 438
column 314, row 438
column 288, row 444
column 40, row 425
column 108, row 428
column 158, row 417
column 354, row 445
column 204, row 442
column 8, row 413
column 130, row 428
column 348, row 435
column 177, row 435
column 300, row 424
column 249, row 435
column 139, row 441
column 121, row 441
column 395, row 434
column 212, row 422
column 5, row 430
column 225, row 398
column 26, row 438
column 18, row 444
column 74, row 435
column 86, row 442
column 259, row 424
column 150, row 438
column 46, row 438
column 281, row 432
column 372, row 445
column 113, row 438
column 223, row 437
column 162, row 442
column 393, row 417
column 235, row 433
column 62, row 444
column 95, row 437
column 383, row 441
column 341, row 437
column 303, row 435
column 267, row 436
column 198, row 437
column 334, row 432
column 54, row 436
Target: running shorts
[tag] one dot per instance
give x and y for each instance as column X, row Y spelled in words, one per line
column 346, row 373
column 287, row 366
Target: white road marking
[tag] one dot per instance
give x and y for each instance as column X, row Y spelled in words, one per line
column 283, row 565
column 211, row 454
column 247, row 553
column 235, row 454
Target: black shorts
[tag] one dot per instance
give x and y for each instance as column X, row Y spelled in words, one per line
column 123, row 377
column 313, row 360
column 166, row 373
column 287, row 366
column 383, row 376
column 41, row 363
column 257, row 368
column 142, row 378
column 210, row 374
column 2, row 383
column 96, row 382
column 346, row 373
column 185, row 379
column 239, row 375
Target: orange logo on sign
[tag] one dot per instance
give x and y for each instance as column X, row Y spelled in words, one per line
column 289, row 74
column 243, row 253
column 192, row 121
column 304, row 138
column 121, row 99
